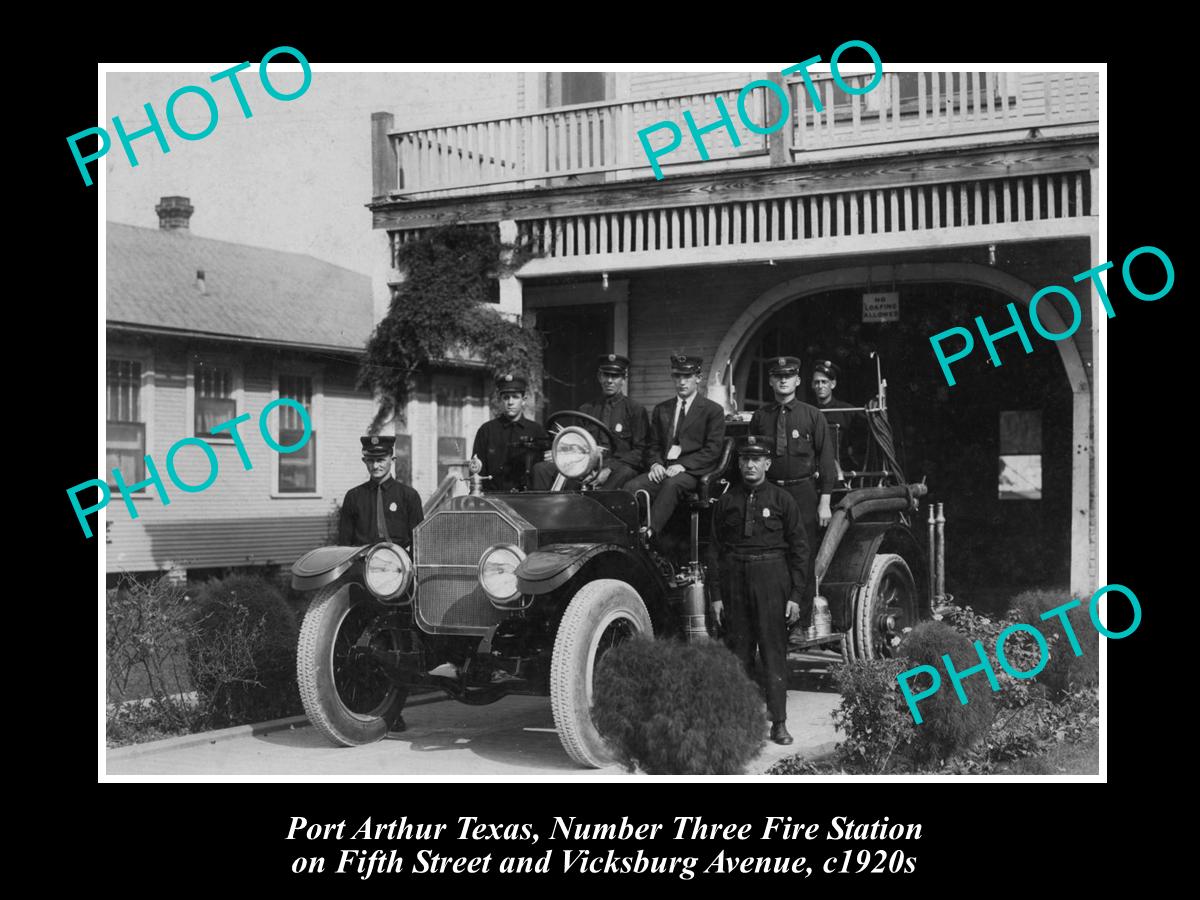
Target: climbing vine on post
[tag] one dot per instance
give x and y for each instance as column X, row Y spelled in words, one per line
column 441, row 311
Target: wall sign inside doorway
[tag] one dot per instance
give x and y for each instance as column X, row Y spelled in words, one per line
column 881, row 307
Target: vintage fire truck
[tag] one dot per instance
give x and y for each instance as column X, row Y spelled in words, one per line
column 523, row 593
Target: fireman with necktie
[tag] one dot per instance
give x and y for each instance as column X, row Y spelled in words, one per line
column 758, row 560
column 802, row 460
column 381, row 508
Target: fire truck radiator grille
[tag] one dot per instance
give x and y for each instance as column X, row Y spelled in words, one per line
column 447, row 550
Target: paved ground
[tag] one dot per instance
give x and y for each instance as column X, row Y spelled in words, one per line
column 513, row 737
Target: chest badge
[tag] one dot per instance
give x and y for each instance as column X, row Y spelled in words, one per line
column 392, row 506
column 795, row 432
column 766, row 513
column 617, row 428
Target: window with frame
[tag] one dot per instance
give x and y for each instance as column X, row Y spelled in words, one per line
column 1020, row 455
column 297, row 470
column 125, row 432
column 214, row 399
column 569, row 88
column 451, row 442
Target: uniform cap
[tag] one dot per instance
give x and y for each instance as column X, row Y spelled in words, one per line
column 378, row 446
column 614, row 363
column 827, row 368
column 785, row 365
column 681, row 364
column 752, row 445
column 510, row 382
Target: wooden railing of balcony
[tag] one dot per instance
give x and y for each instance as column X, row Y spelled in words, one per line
column 598, row 142
column 596, row 139
column 909, row 106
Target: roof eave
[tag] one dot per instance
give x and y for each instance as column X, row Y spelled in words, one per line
column 234, row 338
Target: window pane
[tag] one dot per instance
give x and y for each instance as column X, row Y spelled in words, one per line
column 402, row 467
column 582, row 87
column 213, row 381
column 124, row 390
column 211, row 412
column 126, row 451
column 297, row 471
column 1021, row 431
column 1021, row 477
column 450, row 450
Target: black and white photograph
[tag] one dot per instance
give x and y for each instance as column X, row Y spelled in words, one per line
column 528, row 422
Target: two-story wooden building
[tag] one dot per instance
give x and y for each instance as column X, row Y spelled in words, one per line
column 959, row 192
column 200, row 331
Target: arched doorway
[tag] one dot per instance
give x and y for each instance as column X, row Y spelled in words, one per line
column 998, row 448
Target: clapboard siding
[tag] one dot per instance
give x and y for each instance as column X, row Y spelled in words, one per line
column 236, row 520
column 651, row 85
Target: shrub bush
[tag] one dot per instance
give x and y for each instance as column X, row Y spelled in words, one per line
column 872, row 715
column 671, row 708
column 147, row 629
column 948, row 726
column 1064, row 669
column 242, row 655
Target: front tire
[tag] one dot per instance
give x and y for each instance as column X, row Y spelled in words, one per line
column 602, row 614
column 347, row 695
column 885, row 608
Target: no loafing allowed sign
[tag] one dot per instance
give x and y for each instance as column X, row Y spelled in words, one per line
column 881, row 307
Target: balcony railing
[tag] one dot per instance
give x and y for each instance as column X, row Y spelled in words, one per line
column 598, row 142
column 909, row 106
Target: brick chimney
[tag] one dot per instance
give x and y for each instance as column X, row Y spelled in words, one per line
column 173, row 213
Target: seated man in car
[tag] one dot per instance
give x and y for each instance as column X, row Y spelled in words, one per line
column 686, row 434
column 626, row 420
column 506, row 446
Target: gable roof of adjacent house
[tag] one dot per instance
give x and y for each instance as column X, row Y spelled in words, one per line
column 248, row 292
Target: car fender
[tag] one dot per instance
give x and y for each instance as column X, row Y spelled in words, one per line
column 322, row 566
column 852, row 561
column 552, row 566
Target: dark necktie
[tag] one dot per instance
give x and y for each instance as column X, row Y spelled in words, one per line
column 748, row 525
column 781, row 432
column 680, row 412
column 380, row 521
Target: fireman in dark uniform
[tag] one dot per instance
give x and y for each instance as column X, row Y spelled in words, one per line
column 759, row 557
column 802, row 458
column 506, row 447
column 626, row 420
column 381, row 509
column 852, row 426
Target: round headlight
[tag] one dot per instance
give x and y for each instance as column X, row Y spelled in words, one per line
column 498, row 571
column 575, row 452
column 387, row 571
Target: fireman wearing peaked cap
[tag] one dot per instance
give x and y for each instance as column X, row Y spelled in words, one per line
column 626, row 420
column 802, row 461
column 852, row 427
column 380, row 509
column 505, row 448
column 758, row 560
column 686, row 435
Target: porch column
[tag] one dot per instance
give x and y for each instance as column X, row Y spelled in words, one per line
column 511, row 303
column 1083, row 575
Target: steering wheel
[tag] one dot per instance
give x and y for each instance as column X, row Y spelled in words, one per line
column 551, row 421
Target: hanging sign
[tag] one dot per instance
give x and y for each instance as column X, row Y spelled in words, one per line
column 881, row 307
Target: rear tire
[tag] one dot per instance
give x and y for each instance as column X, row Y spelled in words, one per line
column 347, row 696
column 885, row 607
column 602, row 614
